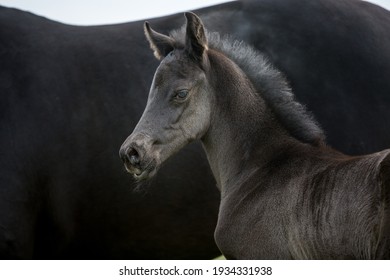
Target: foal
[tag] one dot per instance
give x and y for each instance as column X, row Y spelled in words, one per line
column 284, row 193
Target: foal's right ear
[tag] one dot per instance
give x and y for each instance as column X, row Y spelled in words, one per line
column 161, row 44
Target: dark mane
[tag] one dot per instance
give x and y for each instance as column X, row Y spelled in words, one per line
column 269, row 82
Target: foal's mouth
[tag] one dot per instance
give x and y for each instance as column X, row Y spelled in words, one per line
column 142, row 173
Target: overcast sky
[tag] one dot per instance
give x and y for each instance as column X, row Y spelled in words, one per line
column 91, row 12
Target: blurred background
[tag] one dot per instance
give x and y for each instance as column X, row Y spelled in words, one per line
column 96, row 12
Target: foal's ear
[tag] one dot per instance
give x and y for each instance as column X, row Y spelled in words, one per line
column 161, row 44
column 196, row 41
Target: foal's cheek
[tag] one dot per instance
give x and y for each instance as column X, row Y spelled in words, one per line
column 176, row 115
column 199, row 123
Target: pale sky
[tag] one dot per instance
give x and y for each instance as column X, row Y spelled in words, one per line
column 92, row 12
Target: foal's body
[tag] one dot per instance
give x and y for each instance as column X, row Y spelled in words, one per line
column 302, row 203
column 282, row 198
column 284, row 193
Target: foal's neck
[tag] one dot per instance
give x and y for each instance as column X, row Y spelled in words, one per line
column 242, row 126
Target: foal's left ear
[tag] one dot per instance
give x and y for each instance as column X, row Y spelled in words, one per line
column 196, row 41
column 161, row 44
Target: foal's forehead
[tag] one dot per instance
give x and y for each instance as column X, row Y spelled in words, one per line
column 175, row 68
column 176, row 63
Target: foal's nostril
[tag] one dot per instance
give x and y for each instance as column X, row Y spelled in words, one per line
column 133, row 157
column 130, row 156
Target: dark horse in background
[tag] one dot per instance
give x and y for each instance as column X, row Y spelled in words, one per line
column 284, row 193
column 70, row 95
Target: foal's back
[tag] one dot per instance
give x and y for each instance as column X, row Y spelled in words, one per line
column 309, row 203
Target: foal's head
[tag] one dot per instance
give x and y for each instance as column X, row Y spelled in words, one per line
column 178, row 108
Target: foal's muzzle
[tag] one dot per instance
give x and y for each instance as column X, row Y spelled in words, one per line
column 136, row 153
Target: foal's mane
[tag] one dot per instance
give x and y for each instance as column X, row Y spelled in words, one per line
column 269, row 82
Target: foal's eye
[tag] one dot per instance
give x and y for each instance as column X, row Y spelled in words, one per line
column 181, row 94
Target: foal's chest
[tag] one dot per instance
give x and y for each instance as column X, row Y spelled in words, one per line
column 251, row 228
